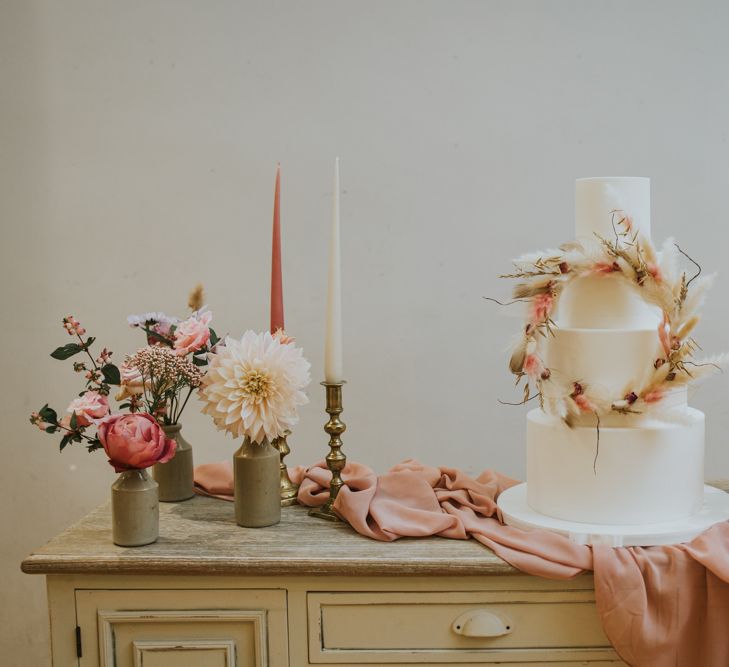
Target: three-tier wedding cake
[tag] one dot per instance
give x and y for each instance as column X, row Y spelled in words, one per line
column 606, row 462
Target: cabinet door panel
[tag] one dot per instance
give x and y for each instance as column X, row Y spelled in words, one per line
column 201, row 653
column 157, row 628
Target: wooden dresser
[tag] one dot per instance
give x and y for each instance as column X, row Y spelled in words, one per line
column 304, row 592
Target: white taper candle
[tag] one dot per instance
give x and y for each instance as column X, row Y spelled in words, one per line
column 333, row 371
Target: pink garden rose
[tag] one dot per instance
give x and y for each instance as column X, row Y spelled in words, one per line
column 89, row 407
column 134, row 441
column 193, row 334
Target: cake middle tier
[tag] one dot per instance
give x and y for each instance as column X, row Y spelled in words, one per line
column 605, row 302
column 609, row 361
column 650, row 471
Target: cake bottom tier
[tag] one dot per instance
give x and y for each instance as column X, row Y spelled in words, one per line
column 646, row 473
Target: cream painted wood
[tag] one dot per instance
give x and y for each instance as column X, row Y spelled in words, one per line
column 63, row 593
column 329, row 595
column 418, row 627
column 199, row 652
column 254, row 621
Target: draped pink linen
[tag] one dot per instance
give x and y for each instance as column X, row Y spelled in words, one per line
column 660, row 606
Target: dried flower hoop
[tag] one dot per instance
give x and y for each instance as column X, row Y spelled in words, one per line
column 631, row 258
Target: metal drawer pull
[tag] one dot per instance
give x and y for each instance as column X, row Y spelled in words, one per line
column 481, row 623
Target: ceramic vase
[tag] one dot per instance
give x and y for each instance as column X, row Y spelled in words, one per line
column 134, row 509
column 175, row 477
column 256, row 484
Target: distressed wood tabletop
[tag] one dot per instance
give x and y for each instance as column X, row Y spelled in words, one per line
column 200, row 536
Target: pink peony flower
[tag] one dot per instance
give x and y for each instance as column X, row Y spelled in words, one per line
column 193, row 334
column 134, row 441
column 541, row 307
column 89, row 407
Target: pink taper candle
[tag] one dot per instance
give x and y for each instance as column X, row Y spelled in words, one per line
column 277, row 309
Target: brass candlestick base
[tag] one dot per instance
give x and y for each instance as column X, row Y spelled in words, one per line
column 289, row 490
column 335, row 458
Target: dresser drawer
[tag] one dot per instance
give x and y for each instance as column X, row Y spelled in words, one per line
column 456, row 627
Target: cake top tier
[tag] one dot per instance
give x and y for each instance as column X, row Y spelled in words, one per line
column 595, row 198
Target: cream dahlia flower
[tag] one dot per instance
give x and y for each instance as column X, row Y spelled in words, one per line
column 253, row 386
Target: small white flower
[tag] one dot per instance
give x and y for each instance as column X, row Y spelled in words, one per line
column 254, row 386
column 151, row 318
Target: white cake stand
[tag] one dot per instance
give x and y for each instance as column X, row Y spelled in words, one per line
column 517, row 513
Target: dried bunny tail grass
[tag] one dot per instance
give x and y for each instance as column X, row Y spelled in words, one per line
column 668, row 260
column 687, row 327
column 532, row 288
column 196, row 299
column 658, row 294
column 518, row 356
column 531, row 259
column 697, row 294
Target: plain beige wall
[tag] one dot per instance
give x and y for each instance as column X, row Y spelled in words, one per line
column 138, row 142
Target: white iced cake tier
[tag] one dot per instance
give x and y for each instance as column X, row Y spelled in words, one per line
column 647, row 473
column 648, row 469
column 604, row 302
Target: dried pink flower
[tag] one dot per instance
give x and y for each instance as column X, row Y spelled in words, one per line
column 655, row 271
column 533, row 367
column 541, row 308
column 653, row 396
column 605, row 268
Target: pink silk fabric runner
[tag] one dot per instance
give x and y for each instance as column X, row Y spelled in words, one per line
column 660, row 606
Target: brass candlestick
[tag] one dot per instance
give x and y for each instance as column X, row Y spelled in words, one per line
column 335, row 458
column 289, row 490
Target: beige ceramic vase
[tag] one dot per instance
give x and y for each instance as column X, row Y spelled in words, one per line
column 256, row 473
column 134, row 509
column 175, row 477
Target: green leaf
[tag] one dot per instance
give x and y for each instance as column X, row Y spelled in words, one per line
column 214, row 338
column 51, row 429
column 94, row 445
column 111, row 374
column 48, row 414
column 66, row 351
column 124, row 406
column 64, row 441
column 88, row 342
column 159, row 337
column 197, row 361
column 74, row 421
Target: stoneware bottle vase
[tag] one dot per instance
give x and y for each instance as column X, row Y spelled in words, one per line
column 175, row 476
column 256, row 473
column 134, row 509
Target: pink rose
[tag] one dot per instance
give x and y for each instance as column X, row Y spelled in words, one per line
column 134, row 441
column 193, row 334
column 89, row 407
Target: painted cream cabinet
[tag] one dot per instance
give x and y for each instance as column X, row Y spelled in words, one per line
column 305, row 592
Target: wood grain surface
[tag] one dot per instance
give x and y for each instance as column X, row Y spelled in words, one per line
column 200, row 536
